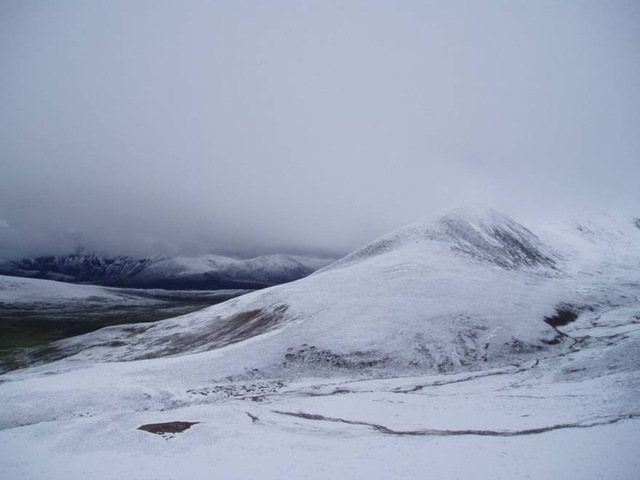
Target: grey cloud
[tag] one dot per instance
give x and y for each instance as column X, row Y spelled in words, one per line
column 254, row 127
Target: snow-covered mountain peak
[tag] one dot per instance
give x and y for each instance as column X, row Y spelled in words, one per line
column 477, row 232
column 473, row 214
column 487, row 235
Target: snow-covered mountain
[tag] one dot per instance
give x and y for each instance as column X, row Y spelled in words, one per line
column 476, row 232
column 467, row 333
column 470, row 288
column 209, row 272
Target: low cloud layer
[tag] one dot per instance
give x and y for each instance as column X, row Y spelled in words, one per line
column 254, row 127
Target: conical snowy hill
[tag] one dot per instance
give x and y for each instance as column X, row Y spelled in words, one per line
column 477, row 232
column 470, row 289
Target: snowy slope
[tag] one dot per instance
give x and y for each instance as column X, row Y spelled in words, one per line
column 48, row 296
column 196, row 272
column 387, row 364
column 16, row 292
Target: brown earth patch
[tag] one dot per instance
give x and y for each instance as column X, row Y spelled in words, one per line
column 167, row 427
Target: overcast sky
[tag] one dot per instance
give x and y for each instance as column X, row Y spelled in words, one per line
column 254, row 127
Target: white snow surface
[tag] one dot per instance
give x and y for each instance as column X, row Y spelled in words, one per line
column 17, row 292
column 425, row 354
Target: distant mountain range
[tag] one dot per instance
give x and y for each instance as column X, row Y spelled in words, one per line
column 207, row 272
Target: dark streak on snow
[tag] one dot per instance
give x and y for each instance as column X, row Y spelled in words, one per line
column 464, row 432
column 564, row 315
column 337, row 391
column 465, row 379
column 253, row 418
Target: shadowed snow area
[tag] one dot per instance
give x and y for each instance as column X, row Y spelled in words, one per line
column 466, row 333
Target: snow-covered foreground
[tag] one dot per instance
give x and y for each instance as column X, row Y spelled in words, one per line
column 568, row 416
column 464, row 348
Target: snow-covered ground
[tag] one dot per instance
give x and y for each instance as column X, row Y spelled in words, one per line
column 35, row 295
column 571, row 416
column 423, row 355
column 16, row 292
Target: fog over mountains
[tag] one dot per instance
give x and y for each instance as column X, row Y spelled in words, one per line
column 290, row 128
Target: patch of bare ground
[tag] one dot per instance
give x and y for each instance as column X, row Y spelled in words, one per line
column 167, row 427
